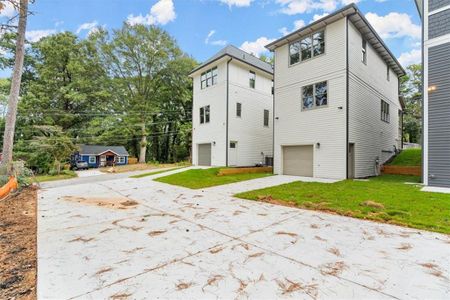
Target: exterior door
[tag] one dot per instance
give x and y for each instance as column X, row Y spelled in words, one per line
column 298, row 160
column 233, row 154
column 204, row 154
column 351, row 161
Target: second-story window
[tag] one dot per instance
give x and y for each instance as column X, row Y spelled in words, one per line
column 364, row 51
column 310, row 46
column 315, row 95
column 385, row 114
column 252, row 79
column 266, row 118
column 204, row 114
column 238, row 109
column 388, row 73
column 208, row 78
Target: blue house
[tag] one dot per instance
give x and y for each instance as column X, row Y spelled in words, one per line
column 102, row 156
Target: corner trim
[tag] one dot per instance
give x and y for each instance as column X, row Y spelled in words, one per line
column 347, row 146
column 227, row 111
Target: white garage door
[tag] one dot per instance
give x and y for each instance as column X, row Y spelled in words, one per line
column 298, row 160
column 204, row 154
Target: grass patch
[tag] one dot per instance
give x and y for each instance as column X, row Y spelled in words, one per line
column 202, row 178
column 386, row 199
column 64, row 175
column 155, row 172
column 408, row 157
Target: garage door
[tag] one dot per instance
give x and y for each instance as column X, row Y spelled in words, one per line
column 298, row 160
column 204, row 154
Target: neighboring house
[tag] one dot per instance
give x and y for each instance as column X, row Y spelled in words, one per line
column 232, row 110
column 436, row 96
column 336, row 104
column 102, row 156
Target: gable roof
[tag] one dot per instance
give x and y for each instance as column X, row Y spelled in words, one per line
column 97, row 150
column 361, row 23
column 240, row 55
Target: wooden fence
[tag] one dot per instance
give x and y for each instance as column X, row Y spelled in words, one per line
column 402, row 170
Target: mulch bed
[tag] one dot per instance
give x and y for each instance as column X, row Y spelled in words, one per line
column 18, row 245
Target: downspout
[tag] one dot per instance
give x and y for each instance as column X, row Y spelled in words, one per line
column 227, row 111
column 347, row 99
column 273, row 115
column 423, row 97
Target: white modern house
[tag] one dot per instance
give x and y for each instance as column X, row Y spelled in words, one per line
column 337, row 111
column 232, row 110
column 436, row 93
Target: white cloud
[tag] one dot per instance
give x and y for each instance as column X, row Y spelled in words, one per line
column 161, row 13
column 215, row 42
column 237, row 3
column 91, row 26
column 394, row 25
column 35, row 35
column 257, row 47
column 412, row 57
column 293, row 7
column 297, row 25
column 318, row 17
column 7, row 9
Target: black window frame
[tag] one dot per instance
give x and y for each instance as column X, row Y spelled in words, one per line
column 205, row 114
column 208, row 78
column 385, row 111
column 238, row 109
column 266, row 117
column 314, row 95
column 252, row 79
column 305, row 45
column 364, row 51
column 388, row 73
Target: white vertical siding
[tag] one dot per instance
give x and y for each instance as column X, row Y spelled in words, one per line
column 368, row 85
column 248, row 130
column 215, row 96
column 326, row 125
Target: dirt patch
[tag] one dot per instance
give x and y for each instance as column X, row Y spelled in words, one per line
column 372, row 204
column 18, row 246
column 156, row 232
column 184, row 285
column 291, row 234
column 333, row 269
column 114, row 203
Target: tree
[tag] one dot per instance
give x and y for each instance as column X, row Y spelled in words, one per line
column 411, row 90
column 136, row 57
column 10, row 122
column 55, row 143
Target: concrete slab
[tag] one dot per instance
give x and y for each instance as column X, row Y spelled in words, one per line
column 177, row 243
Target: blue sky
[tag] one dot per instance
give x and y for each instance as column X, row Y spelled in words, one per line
column 203, row 27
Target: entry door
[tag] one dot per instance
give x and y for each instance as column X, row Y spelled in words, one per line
column 351, row 161
column 298, row 160
column 233, row 154
column 204, row 154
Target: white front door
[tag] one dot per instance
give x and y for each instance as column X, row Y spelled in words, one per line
column 233, row 154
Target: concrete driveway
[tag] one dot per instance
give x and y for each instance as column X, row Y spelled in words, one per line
column 140, row 239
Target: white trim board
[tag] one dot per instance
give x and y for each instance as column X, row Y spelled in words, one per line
column 433, row 189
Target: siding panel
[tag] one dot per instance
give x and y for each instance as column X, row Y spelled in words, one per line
column 436, row 4
column 438, row 113
column 439, row 24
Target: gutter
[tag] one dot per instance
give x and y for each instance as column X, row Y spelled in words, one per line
column 227, row 111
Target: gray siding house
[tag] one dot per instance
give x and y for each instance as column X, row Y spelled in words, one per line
column 436, row 97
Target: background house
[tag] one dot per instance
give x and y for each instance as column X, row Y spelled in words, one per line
column 436, row 92
column 232, row 110
column 102, row 156
column 336, row 102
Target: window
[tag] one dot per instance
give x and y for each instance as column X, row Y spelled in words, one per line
column 266, row 118
column 364, row 51
column 233, row 145
column 273, row 87
column 388, row 73
column 310, row 46
column 204, row 114
column 208, row 78
column 92, row 159
column 121, row 159
column 252, row 79
column 315, row 95
column 385, row 116
column 239, row 110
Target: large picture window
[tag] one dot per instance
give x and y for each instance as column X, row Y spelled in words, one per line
column 315, row 95
column 208, row 78
column 385, row 115
column 311, row 46
column 204, row 114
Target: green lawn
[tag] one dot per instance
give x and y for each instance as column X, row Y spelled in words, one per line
column 155, row 172
column 408, row 157
column 66, row 175
column 386, row 199
column 202, row 178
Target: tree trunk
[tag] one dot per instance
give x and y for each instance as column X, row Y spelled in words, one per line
column 10, row 122
column 143, row 146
